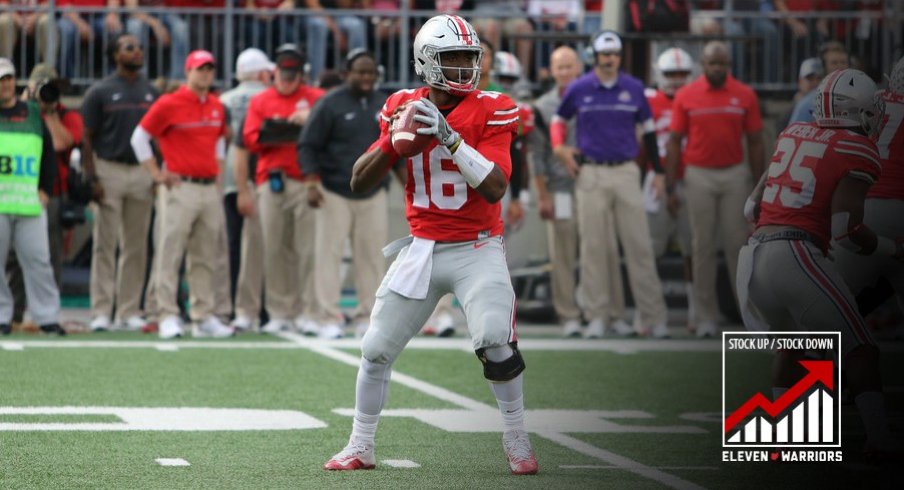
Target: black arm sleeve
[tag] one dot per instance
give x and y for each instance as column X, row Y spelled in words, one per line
column 48, row 163
column 652, row 150
column 516, row 181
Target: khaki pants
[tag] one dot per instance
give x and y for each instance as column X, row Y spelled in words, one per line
column 366, row 222
column 120, row 220
column 9, row 33
column 288, row 225
column 192, row 222
column 605, row 194
column 222, row 303
column 251, row 268
column 715, row 201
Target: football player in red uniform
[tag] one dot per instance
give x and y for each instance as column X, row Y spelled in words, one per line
column 453, row 210
column 812, row 192
column 674, row 67
column 883, row 208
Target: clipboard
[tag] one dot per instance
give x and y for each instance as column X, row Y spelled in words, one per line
column 276, row 131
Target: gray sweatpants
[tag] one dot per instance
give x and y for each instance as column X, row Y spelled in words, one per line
column 28, row 236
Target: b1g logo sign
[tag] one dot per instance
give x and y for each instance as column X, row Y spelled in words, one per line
column 799, row 424
column 18, row 165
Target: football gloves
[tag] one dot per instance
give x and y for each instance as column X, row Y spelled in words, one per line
column 436, row 123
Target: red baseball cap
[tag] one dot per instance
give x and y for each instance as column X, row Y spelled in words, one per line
column 197, row 58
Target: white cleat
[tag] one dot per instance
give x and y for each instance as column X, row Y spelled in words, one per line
column 170, row 328
column 133, row 324
column 519, row 453
column 276, row 325
column 242, row 324
column 330, row 331
column 621, row 327
column 571, row 328
column 212, row 327
column 596, row 329
column 660, row 331
column 307, row 326
column 100, row 323
column 356, row 456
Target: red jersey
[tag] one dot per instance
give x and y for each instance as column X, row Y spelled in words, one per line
column 439, row 204
column 661, row 106
column 805, row 169
column 891, row 150
column 271, row 104
column 187, row 129
column 526, row 122
column 714, row 120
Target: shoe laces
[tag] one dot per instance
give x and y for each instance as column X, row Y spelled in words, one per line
column 517, row 446
column 354, row 448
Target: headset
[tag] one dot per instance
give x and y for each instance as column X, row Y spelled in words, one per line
column 590, row 53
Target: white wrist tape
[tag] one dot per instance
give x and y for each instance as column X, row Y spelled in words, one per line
column 472, row 165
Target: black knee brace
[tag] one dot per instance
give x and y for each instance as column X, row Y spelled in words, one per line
column 506, row 370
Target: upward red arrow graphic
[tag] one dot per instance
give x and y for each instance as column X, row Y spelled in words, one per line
column 821, row 371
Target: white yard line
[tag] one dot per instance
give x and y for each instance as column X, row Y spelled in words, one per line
column 172, row 462
column 400, row 463
column 621, row 462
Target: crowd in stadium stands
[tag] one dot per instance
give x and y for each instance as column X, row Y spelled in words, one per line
column 274, row 217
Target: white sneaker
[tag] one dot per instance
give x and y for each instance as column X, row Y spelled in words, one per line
column 357, row 455
column 212, row 327
column 170, row 328
column 242, row 324
column 306, row 326
column 707, row 330
column 445, row 325
column 621, row 327
column 275, row 325
column 572, row 328
column 519, row 453
column 133, row 324
column 596, row 329
column 100, row 323
column 330, row 331
column 660, row 331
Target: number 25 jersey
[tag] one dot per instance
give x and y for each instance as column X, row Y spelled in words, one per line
column 439, row 204
column 805, row 170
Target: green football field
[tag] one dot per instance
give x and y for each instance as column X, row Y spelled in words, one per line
column 114, row 410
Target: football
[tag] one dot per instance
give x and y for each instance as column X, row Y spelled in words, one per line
column 405, row 139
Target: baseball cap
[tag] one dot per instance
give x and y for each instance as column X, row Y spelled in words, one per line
column 289, row 58
column 607, row 41
column 42, row 71
column 253, row 60
column 810, row 66
column 7, row 68
column 197, row 58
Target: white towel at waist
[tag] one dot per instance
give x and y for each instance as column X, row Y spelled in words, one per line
column 411, row 277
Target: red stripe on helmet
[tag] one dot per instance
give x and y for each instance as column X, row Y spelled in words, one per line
column 827, row 111
column 463, row 27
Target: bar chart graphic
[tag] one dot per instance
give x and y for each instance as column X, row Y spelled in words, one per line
column 805, row 415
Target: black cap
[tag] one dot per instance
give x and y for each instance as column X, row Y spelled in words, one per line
column 289, row 57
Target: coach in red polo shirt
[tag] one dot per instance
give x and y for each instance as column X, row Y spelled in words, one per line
column 189, row 125
column 714, row 112
column 287, row 221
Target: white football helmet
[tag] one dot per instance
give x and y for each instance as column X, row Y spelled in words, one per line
column 673, row 60
column 506, row 65
column 440, row 34
column 848, row 99
column 896, row 80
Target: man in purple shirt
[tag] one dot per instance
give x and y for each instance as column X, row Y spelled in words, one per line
column 609, row 105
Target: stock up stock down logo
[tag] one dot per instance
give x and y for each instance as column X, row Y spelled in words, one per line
column 798, row 422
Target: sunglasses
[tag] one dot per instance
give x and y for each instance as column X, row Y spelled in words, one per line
column 130, row 47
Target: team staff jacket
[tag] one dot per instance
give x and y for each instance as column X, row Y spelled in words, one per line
column 891, row 150
column 187, row 129
column 805, row 169
column 439, row 204
column 270, row 104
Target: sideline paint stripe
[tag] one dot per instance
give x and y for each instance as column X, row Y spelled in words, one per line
column 167, row 347
column 400, row 463
column 13, row 346
column 172, row 462
column 464, row 402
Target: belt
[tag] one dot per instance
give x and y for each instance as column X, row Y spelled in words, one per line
column 608, row 163
column 198, row 180
column 794, row 235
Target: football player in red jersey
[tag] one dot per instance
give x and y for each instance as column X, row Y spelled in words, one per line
column 883, row 208
column 453, row 210
column 813, row 191
column 674, row 67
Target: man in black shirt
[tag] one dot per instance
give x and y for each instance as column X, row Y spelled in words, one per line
column 27, row 173
column 124, row 194
column 340, row 128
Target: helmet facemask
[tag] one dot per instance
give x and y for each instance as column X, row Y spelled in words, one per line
column 445, row 34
